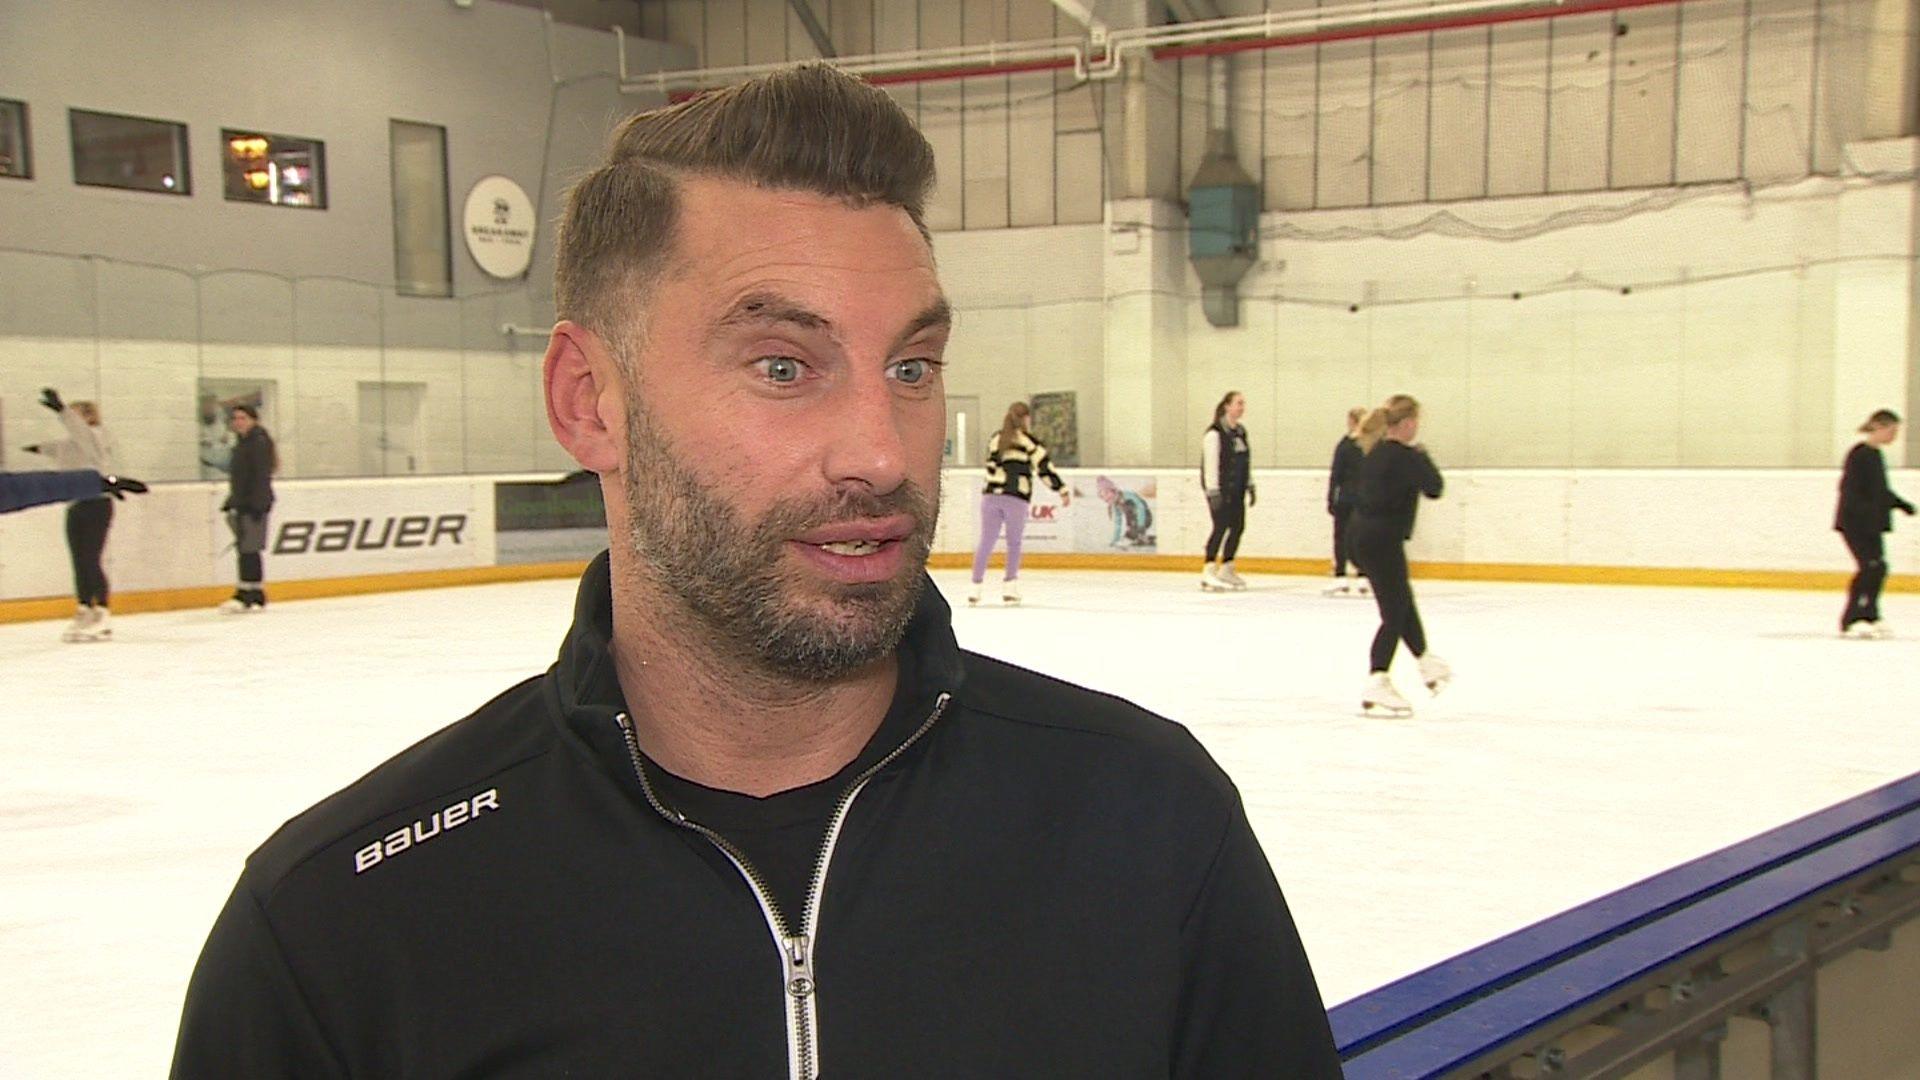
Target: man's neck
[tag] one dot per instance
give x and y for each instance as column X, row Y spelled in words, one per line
column 712, row 721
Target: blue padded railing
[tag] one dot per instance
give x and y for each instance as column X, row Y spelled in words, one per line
column 1443, row 1016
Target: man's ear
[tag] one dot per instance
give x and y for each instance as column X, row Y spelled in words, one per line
column 577, row 373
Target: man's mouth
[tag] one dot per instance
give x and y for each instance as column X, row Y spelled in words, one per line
column 854, row 547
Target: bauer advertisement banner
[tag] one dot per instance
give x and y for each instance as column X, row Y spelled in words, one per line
column 1109, row 513
column 323, row 530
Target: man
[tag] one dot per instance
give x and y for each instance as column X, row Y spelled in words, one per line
column 764, row 817
column 249, row 500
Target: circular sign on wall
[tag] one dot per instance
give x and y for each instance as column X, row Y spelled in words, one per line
column 499, row 225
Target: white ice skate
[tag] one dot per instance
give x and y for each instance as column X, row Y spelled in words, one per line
column 1340, row 587
column 1867, row 631
column 101, row 628
column 1361, row 587
column 86, row 624
column 232, row 605
column 973, row 594
column 1010, row 592
column 1210, row 582
column 1381, row 699
column 1435, row 673
column 1229, row 578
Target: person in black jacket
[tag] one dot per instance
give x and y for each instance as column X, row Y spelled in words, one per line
column 1865, row 514
column 1343, row 496
column 25, row 490
column 1226, row 475
column 1396, row 472
column 764, row 817
column 249, row 500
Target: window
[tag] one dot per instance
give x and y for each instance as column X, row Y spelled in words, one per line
column 274, row 169
column 16, row 157
column 129, row 152
column 422, row 233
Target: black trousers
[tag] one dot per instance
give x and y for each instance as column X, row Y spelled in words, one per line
column 1229, row 521
column 1863, row 593
column 87, row 523
column 1342, row 526
column 1381, row 554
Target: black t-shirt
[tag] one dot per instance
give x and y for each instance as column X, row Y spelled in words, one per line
column 781, row 834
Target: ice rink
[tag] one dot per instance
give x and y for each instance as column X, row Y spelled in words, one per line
column 1593, row 736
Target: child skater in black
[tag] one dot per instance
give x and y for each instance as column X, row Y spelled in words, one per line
column 1865, row 515
column 1393, row 476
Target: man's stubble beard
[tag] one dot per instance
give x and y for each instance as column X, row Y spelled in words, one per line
column 733, row 580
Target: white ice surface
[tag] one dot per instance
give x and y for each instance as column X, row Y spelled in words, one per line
column 1593, row 736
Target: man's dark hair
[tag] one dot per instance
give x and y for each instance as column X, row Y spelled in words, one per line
column 252, row 413
column 810, row 128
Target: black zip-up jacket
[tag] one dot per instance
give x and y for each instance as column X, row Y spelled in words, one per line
column 1343, row 479
column 1392, row 479
column 1037, row 881
column 1867, row 502
column 250, row 475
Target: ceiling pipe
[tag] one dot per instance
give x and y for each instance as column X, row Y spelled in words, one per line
column 1215, row 37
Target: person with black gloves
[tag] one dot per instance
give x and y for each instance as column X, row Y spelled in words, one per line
column 249, row 500
column 24, row 490
column 764, row 817
column 1864, row 516
column 87, row 446
column 1226, row 474
column 1343, row 497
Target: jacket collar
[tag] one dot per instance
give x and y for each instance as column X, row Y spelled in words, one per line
column 589, row 690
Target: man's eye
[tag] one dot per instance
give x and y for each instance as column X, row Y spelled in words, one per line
column 780, row 369
column 913, row 372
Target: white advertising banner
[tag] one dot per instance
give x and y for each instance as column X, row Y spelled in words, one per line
column 1110, row 512
column 322, row 530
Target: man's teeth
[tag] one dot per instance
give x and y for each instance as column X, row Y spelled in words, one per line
column 853, row 547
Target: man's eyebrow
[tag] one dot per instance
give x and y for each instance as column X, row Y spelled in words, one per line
column 938, row 315
column 757, row 308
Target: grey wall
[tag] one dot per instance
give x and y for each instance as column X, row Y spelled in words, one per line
column 518, row 97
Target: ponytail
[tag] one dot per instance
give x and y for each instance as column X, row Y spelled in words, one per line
column 1374, row 427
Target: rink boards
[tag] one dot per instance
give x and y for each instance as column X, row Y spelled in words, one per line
column 1761, row 528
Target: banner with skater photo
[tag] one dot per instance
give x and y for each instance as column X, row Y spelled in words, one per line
column 1116, row 514
column 216, row 399
column 1108, row 513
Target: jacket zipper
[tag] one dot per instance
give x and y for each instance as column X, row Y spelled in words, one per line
column 796, row 950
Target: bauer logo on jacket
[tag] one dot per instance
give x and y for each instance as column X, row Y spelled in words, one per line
column 438, row 823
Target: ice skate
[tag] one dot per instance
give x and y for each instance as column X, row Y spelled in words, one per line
column 973, row 595
column 1435, row 673
column 233, row 605
column 1878, row 630
column 1338, row 588
column 1861, row 631
column 1010, row 592
column 1361, row 587
column 1381, row 699
column 1229, row 578
column 101, row 628
column 81, row 627
column 1209, row 582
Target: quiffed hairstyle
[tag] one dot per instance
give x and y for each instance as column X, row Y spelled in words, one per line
column 810, row 128
column 1374, row 427
column 1880, row 418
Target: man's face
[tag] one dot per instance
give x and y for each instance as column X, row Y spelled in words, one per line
column 784, row 425
column 241, row 422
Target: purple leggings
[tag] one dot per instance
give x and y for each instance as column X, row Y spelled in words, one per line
column 995, row 511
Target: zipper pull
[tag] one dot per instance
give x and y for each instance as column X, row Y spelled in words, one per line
column 799, row 967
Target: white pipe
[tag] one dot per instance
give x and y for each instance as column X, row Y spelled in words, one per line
column 1089, row 62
